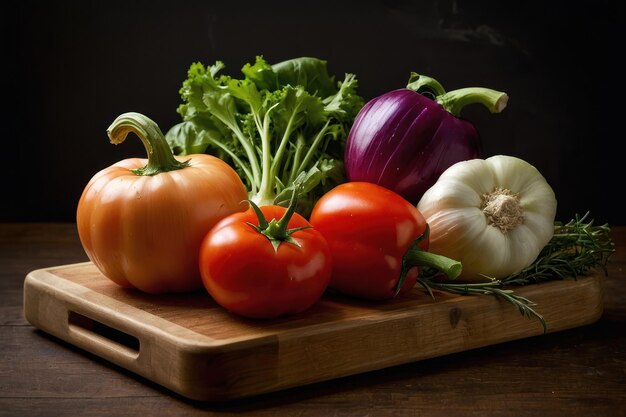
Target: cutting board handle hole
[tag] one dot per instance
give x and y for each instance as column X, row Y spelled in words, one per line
column 103, row 333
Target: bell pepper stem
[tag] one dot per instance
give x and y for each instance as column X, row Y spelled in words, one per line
column 160, row 157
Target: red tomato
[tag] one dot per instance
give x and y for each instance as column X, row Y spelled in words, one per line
column 369, row 229
column 245, row 274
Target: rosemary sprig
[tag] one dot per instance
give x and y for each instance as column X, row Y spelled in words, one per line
column 575, row 248
column 494, row 287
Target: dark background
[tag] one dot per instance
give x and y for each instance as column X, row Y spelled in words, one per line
column 69, row 68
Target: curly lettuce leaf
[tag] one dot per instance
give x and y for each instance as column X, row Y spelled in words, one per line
column 279, row 125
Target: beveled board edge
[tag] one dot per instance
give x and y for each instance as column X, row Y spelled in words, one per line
column 202, row 368
column 166, row 350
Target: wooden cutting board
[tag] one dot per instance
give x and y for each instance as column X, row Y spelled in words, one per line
column 192, row 346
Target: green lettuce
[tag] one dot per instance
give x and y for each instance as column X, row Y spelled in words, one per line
column 282, row 126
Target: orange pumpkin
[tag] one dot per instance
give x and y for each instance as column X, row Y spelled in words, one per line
column 141, row 222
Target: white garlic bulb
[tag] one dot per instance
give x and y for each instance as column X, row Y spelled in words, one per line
column 493, row 215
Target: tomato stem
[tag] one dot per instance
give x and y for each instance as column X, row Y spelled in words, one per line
column 418, row 257
column 291, row 209
column 415, row 256
column 275, row 231
column 160, row 158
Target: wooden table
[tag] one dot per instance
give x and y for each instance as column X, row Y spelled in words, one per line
column 576, row 372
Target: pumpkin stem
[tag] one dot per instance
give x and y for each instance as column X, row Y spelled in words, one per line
column 160, row 157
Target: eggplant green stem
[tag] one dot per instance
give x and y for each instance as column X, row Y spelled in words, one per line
column 419, row 83
column 455, row 100
column 160, row 157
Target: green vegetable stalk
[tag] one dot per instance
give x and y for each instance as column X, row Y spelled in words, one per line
column 280, row 125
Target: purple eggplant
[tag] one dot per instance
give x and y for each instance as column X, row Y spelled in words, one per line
column 404, row 140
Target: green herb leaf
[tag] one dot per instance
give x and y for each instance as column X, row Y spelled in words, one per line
column 278, row 122
column 575, row 248
column 261, row 74
column 184, row 140
column 310, row 73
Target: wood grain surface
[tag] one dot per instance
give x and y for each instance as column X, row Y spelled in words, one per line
column 191, row 345
column 578, row 371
